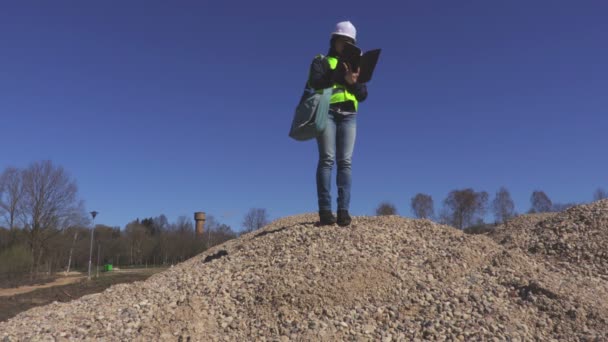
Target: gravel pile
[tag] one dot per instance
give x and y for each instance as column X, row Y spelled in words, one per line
column 382, row 279
column 575, row 239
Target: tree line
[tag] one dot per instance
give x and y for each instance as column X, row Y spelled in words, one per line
column 44, row 228
column 466, row 208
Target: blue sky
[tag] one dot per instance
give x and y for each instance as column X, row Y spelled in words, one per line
column 181, row 106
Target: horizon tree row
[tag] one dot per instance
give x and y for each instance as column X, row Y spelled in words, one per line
column 465, row 207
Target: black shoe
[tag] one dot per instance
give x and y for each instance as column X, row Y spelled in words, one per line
column 343, row 218
column 326, row 217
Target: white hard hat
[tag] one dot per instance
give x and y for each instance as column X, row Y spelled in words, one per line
column 347, row 29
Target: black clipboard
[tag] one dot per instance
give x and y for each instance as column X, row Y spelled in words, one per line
column 366, row 62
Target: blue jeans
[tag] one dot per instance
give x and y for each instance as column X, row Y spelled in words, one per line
column 336, row 143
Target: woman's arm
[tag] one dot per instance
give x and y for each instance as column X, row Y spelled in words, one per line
column 359, row 90
column 321, row 76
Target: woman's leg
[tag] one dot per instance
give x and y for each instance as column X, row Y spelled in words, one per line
column 327, row 152
column 346, row 131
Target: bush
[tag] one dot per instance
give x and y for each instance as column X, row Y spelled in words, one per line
column 386, row 208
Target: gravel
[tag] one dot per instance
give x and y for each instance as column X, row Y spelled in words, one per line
column 381, row 279
column 575, row 239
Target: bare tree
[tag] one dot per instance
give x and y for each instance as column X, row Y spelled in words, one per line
column 137, row 237
column 255, row 219
column 49, row 204
column 11, row 195
column 540, row 202
column 184, row 242
column 67, row 271
column 504, row 208
column 600, row 194
column 386, row 208
column 465, row 207
column 422, row 206
column 224, row 233
column 211, row 224
column 444, row 216
column 184, row 225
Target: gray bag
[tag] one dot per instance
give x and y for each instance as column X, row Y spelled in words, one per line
column 310, row 118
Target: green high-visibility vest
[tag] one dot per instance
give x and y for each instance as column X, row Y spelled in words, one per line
column 340, row 93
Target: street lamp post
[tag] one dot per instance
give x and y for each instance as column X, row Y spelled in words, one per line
column 93, row 213
column 98, row 254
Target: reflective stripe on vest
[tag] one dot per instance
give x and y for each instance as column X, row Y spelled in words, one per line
column 340, row 93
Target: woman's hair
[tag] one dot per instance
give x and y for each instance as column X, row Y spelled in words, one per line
column 335, row 37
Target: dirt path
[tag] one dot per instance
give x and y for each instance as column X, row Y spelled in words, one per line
column 26, row 289
column 65, row 280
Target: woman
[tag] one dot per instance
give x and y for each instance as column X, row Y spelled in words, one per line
column 338, row 140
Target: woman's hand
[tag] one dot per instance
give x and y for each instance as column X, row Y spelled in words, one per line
column 350, row 77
